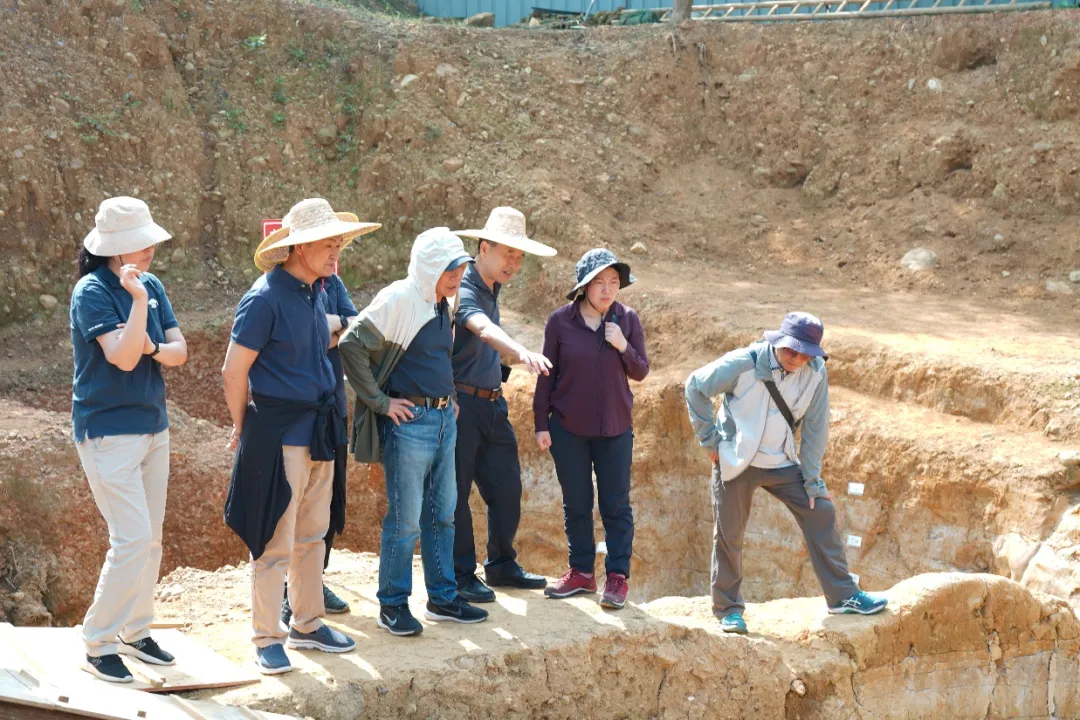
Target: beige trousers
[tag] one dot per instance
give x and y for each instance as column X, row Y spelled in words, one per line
column 129, row 477
column 296, row 551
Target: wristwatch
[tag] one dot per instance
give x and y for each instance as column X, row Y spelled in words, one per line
column 157, row 349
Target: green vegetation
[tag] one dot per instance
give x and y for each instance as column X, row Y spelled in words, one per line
column 234, row 119
column 255, row 42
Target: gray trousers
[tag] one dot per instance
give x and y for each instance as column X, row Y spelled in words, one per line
column 731, row 509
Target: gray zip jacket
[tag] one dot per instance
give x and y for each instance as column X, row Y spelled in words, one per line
column 737, row 427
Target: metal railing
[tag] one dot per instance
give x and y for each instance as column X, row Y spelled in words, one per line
column 783, row 10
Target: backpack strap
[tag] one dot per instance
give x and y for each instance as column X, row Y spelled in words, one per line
column 780, row 404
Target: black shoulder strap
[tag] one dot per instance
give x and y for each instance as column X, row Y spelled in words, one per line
column 780, row 404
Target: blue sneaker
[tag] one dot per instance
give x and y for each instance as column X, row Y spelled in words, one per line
column 861, row 603
column 325, row 638
column 733, row 623
column 272, row 660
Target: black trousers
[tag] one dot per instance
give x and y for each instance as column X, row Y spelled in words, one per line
column 576, row 458
column 487, row 454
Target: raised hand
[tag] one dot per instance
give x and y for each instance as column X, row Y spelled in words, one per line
column 614, row 335
column 129, row 280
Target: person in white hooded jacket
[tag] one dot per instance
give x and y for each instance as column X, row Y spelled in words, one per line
column 396, row 356
column 769, row 390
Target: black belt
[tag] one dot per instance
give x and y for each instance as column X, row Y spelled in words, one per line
column 438, row 403
column 491, row 395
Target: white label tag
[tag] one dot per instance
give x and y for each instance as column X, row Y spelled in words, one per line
column 855, row 578
column 855, row 488
column 601, row 548
column 854, row 541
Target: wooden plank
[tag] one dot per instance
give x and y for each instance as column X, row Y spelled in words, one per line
column 98, row 701
column 61, row 651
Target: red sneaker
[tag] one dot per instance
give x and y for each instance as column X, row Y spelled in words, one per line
column 571, row 583
column 614, row 591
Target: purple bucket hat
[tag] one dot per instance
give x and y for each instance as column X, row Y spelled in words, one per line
column 801, row 332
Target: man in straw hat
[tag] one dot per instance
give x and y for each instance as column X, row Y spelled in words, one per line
column 767, row 391
column 339, row 309
column 286, row 438
column 397, row 358
column 487, row 449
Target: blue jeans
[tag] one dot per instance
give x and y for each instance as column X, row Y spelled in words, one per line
column 421, row 495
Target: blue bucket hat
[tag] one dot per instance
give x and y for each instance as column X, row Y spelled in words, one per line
column 592, row 263
column 801, row 332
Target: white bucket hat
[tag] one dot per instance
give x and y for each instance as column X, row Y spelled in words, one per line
column 309, row 221
column 506, row 226
column 123, row 225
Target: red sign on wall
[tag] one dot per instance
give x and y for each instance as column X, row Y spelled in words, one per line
column 269, row 226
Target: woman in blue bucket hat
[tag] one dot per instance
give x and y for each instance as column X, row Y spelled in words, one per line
column 582, row 412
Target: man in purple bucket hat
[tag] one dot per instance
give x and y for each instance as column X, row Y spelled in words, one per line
column 768, row 391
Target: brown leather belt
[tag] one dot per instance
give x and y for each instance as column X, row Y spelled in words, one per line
column 491, row 395
column 440, row 403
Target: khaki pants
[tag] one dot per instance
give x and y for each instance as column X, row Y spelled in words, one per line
column 296, row 550
column 129, row 477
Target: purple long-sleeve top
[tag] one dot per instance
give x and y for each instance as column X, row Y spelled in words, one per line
column 588, row 385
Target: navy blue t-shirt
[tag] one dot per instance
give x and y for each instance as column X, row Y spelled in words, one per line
column 475, row 362
column 424, row 368
column 106, row 400
column 284, row 320
column 338, row 302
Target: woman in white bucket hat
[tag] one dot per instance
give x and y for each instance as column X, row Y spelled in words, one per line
column 122, row 331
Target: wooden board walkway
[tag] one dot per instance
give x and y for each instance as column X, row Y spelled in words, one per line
column 41, row 679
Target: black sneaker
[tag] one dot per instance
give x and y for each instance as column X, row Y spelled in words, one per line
column 473, row 590
column 458, row 611
column 332, row 603
column 109, row 668
column 148, row 651
column 286, row 613
column 398, row 620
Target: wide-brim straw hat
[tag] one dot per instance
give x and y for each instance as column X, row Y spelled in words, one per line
column 123, row 225
column 309, row 221
column 593, row 263
column 506, row 226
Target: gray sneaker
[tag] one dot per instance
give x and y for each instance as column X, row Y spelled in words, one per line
column 325, row 638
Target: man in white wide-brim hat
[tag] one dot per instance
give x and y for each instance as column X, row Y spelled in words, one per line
column 487, row 451
column 287, row 437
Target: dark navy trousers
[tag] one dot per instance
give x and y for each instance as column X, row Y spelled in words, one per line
column 487, row 454
column 576, row 459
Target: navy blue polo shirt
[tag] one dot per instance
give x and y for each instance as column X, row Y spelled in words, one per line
column 284, row 320
column 106, row 400
column 338, row 302
column 424, row 368
column 475, row 362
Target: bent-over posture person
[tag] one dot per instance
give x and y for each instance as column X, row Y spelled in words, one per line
column 122, row 331
column 766, row 391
